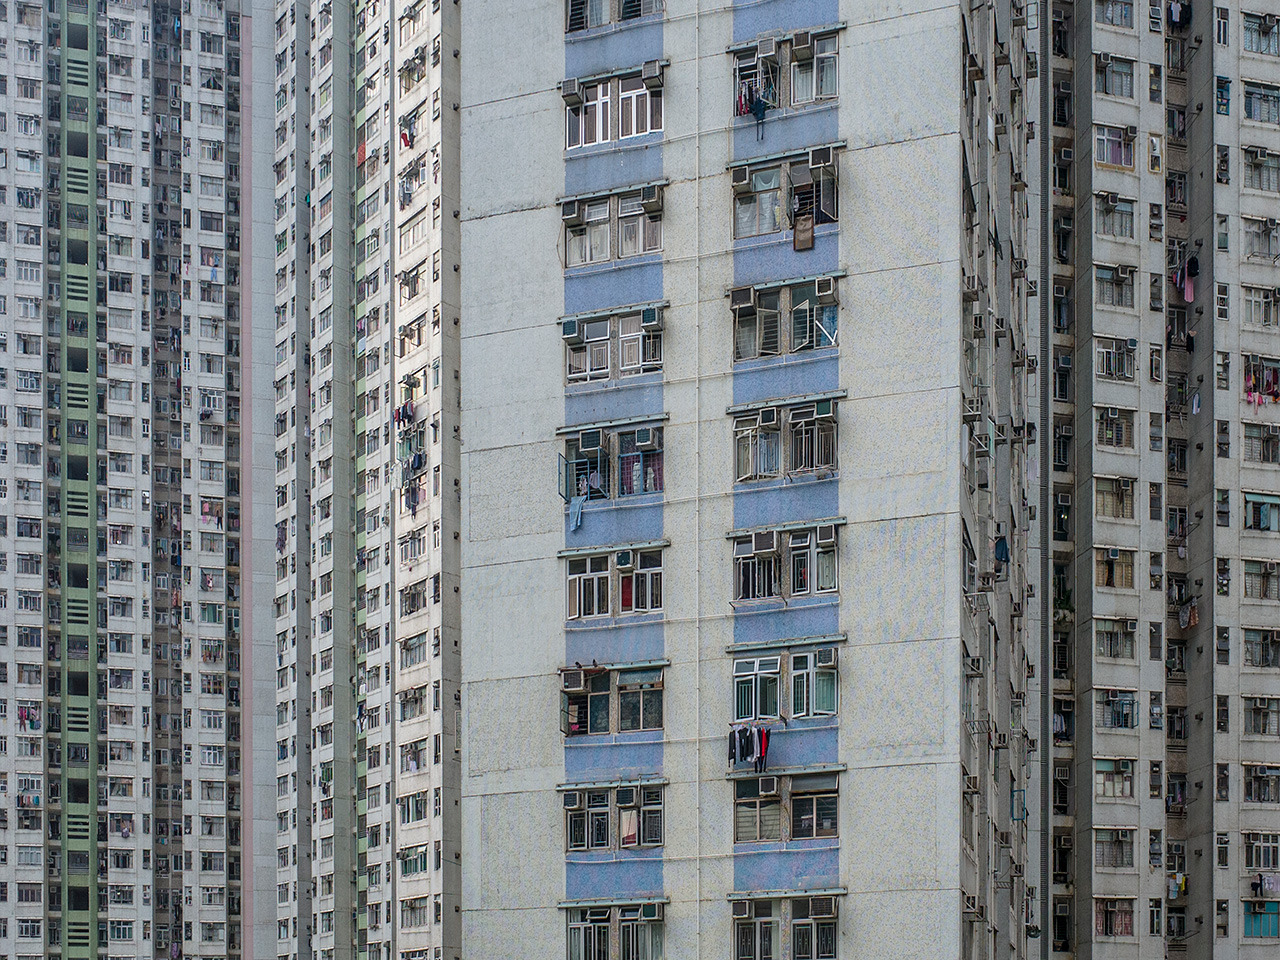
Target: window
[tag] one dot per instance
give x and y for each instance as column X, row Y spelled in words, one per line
column 1262, row 918
column 1114, row 286
column 1115, row 427
column 637, row 930
column 814, row 684
column 759, row 329
column 1114, row 13
column 759, row 572
column 817, row 77
column 639, row 108
column 1262, row 716
column 1113, row 917
column 758, row 682
column 586, row 465
column 756, row 930
column 1261, row 851
column 1261, row 170
column 1261, row 102
column 1116, row 358
column 587, row 701
column 585, row 14
column 1113, row 146
column 1261, row 581
column 1261, row 35
column 1261, row 784
column 1113, row 497
column 589, row 225
column 620, row 346
column 1258, row 304
column 614, row 817
column 1261, row 239
column 1113, row 849
column 588, row 122
column 1261, row 648
column 1262, row 512
column 592, row 583
column 1115, row 638
column 782, row 441
column 1113, row 568
column 1116, row 709
column 1113, row 76
column 804, row 805
column 1113, row 778
column 809, row 190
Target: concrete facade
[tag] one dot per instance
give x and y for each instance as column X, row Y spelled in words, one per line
column 899, row 401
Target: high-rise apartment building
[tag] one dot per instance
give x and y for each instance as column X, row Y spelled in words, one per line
column 366, row 494
column 746, row 455
column 127, row 540
column 1164, row 175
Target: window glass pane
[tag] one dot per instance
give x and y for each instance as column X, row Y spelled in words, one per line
column 824, row 691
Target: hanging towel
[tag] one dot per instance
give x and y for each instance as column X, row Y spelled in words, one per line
column 575, row 512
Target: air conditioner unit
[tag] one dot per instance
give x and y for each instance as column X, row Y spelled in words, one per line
column 1270, row 566
column 626, row 796
column 764, row 541
column 1268, row 22
column 767, row 48
column 1062, row 774
column 827, row 535
column 802, row 45
column 972, row 409
column 768, row 417
column 1132, row 343
column 979, row 325
column 1132, row 626
column 571, row 331
column 1063, row 87
column 1066, row 154
column 1113, row 412
column 1064, row 499
column 768, row 786
column 573, row 799
column 970, row 289
column 826, row 290
column 1001, row 741
column 573, row 680
column 571, row 212
column 1015, row 869
column 821, row 157
column 741, row 180
column 590, row 441
column 742, row 298
column 825, row 656
column 646, row 439
column 1113, row 695
column 1113, row 553
column 971, row 906
column 1123, row 271
column 571, row 91
column 652, row 74
column 820, row 907
column 1131, row 132
column 1273, row 429
column 651, row 198
column 824, row 409
column 650, row 911
column 1066, row 430
column 973, row 666
column 1104, row 58
column 624, row 560
column 1004, row 838
column 741, row 909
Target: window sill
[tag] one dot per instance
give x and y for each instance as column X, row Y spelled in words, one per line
column 778, row 604
column 614, row 739
column 604, row 30
column 785, row 846
column 621, row 145
column 602, row 266
column 606, row 623
column 746, row 120
column 749, row 364
column 653, row 852
column 790, row 479
column 575, row 388
column 784, row 236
